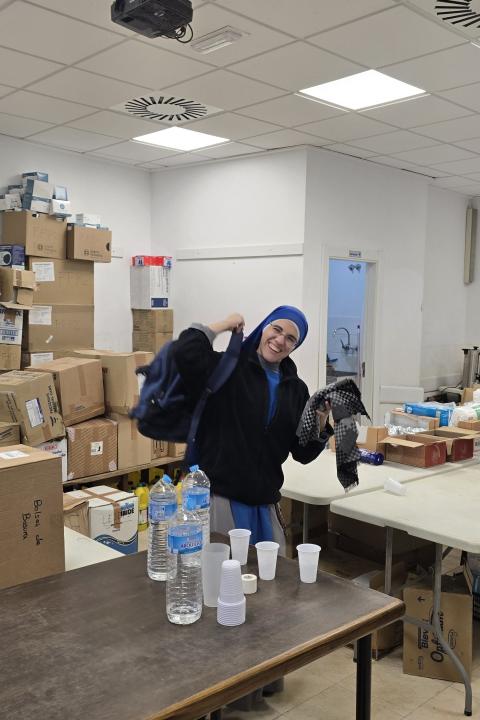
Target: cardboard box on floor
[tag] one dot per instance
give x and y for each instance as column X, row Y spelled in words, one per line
column 41, row 235
column 62, row 282
column 53, row 328
column 422, row 654
column 151, row 342
column 411, row 450
column 17, row 288
column 84, row 243
column 30, row 399
column 459, row 447
column 112, row 517
column 92, row 448
column 133, row 448
column 32, row 517
column 79, row 386
column 9, row 433
column 153, row 321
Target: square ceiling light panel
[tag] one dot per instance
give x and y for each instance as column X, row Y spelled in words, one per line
column 366, row 89
column 178, row 138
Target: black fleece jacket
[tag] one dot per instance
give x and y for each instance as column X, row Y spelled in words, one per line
column 242, row 454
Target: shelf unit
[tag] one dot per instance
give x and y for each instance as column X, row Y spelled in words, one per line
column 159, row 462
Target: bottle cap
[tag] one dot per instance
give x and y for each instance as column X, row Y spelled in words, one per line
column 194, row 468
column 166, row 478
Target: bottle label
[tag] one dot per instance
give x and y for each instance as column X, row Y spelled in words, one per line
column 196, row 499
column 160, row 512
column 185, row 539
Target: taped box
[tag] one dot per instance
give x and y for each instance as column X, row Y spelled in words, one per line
column 41, row 235
column 459, row 446
column 91, row 244
column 149, row 287
column 112, row 517
column 412, row 450
column 62, row 282
column 10, row 357
column 9, row 433
column 75, row 514
column 92, row 448
column 153, row 321
column 59, row 449
column 11, row 326
column 17, row 288
column 133, row 448
column 150, row 342
column 52, row 328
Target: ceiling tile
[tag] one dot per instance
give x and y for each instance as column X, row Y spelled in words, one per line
column 471, row 144
column 290, row 110
column 40, row 107
column 346, row 127
column 429, row 7
column 229, row 150
column 434, row 154
column 20, row 127
column 5, row 90
column 394, row 142
column 73, row 139
column 418, row 111
column 468, row 96
column 304, row 17
column 440, row 71
column 475, row 177
column 296, row 66
column 141, row 64
column 84, row 87
column 91, row 11
column 451, row 130
column 39, row 32
column 393, row 35
column 18, row 69
column 401, row 165
column 461, row 167
column 258, row 38
column 451, row 181
column 135, row 152
column 184, row 159
column 223, row 89
column 115, row 124
column 469, row 190
column 285, row 138
column 349, row 150
column 231, row 126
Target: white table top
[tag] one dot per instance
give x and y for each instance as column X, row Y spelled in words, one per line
column 81, row 550
column 443, row 508
column 317, row 482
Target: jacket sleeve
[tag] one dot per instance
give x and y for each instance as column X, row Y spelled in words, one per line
column 306, row 453
column 195, row 359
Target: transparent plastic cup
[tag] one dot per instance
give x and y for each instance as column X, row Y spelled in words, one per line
column 231, row 588
column 239, row 540
column 308, row 554
column 213, row 555
column 393, row 486
column 267, row 552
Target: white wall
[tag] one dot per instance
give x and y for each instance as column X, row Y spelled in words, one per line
column 121, row 196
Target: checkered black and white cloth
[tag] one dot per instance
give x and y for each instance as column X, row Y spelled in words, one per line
column 346, row 402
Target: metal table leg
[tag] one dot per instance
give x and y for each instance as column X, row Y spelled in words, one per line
column 364, row 677
column 388, row 560
column 306, row 518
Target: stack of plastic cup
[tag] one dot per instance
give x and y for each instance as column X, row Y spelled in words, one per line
column 308, row 554
column 239, row 540
column 231, row 605
column 267, row 559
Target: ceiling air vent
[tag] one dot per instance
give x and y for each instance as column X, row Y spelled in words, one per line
column 459, row 12
column 165, row 109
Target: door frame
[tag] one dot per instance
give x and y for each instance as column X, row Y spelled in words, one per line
column 371, row 351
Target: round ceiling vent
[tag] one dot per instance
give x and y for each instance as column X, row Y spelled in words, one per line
column 165, row 108
column 464, row 13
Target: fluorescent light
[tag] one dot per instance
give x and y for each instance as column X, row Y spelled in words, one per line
column 216, row 40
column 177, row 138
column 363, row 90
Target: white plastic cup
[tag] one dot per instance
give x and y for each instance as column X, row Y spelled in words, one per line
column 231, row 614
column 213, row 555
column 267, row 552
column 239, row 540
column 308, row 554
column 393, row 486
column 231, row 588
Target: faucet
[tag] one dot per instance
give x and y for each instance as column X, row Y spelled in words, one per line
column 346, row 347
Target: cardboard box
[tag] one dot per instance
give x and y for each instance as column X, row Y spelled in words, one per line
column 17, row 288
column 422, row 654
column 112, row 517
column 159, row 449
column 40, row 358
column 413, row 450
column 84, row 243
column 467, row 393
column 41, row 235
column 57, row 327
column 459, row 446
column 75, row 514
column 59, row 449
column 470, row 425
column 10, row 357
column 176, row 449
column 122, row 384
column 32, row 520
column 372, row 435
column 406, row 420
column 9, row 433
column 62, row 282
column 149, row 287
column 11, row 326
column 30, row 399
column 92, row 448
column 79, row 386
column 292, row 512
column 153, row 321
column 133, row 448
column 151, row 342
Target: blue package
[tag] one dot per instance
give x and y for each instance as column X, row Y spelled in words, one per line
column 443, row 414
column 159, row 302
column 12, row 256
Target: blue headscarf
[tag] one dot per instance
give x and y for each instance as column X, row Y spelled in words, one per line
column 283, row 312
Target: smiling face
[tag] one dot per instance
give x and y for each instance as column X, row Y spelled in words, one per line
column 278, row 340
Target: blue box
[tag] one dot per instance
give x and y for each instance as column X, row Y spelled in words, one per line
column 443, row 414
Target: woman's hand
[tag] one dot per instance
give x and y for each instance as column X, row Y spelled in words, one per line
column 234, row 323
column 323, row 416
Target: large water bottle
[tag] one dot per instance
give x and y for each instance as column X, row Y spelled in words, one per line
column 196, row 498
column 184, row 579
column 162, row 508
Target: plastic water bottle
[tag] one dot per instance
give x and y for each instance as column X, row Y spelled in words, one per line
column 196, row 498
column 372, row 458
column 184, row 579
column 162, row 508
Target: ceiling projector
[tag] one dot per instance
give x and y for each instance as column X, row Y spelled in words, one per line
column 154, row 18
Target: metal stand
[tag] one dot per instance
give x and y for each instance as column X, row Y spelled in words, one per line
column 364, row 677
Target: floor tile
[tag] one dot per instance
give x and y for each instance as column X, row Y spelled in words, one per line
column 447, row 705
